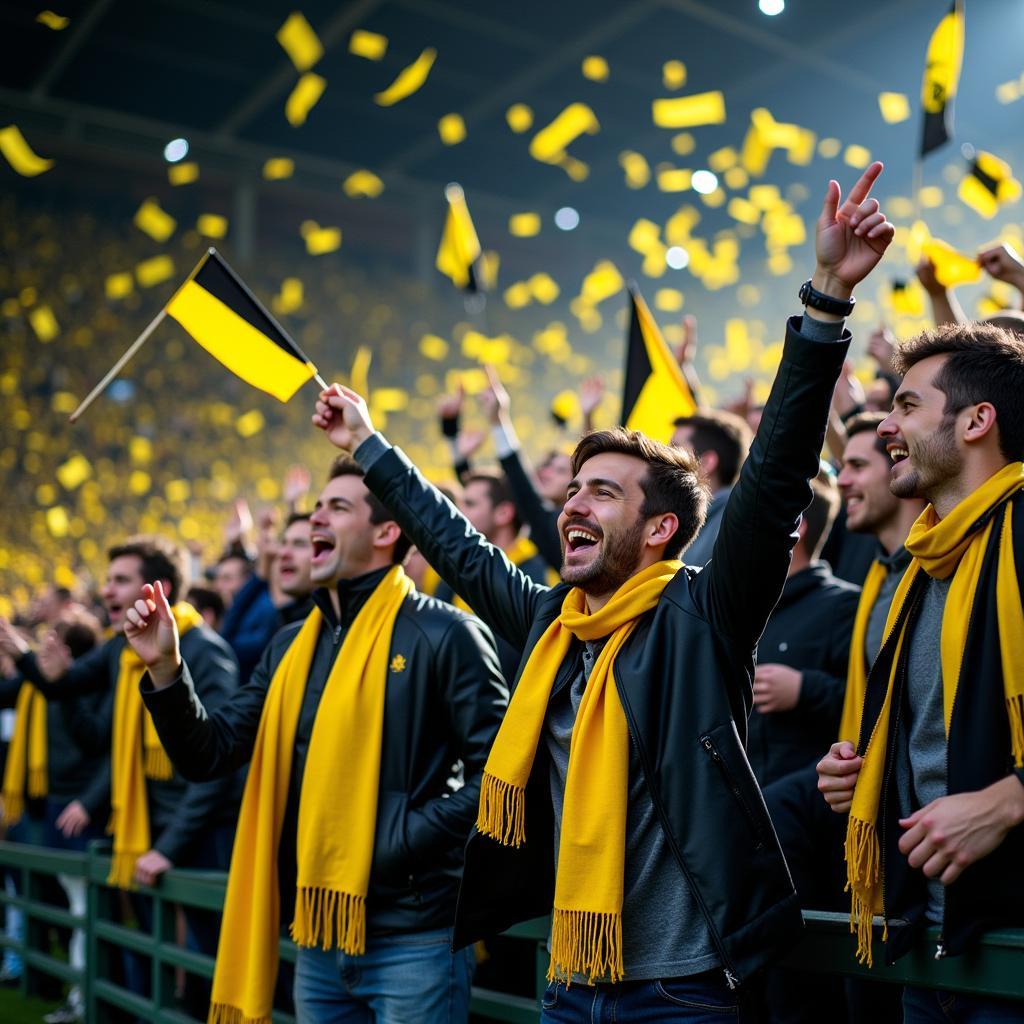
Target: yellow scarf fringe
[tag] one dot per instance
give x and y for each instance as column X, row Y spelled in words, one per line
column 502, row 813
column 586, row 943
column 157, row 764
column 221, row 1013
column 329, row 919
column 950, row 547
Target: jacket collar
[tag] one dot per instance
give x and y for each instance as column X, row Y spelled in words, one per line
column 352, row 595
column 816, row 575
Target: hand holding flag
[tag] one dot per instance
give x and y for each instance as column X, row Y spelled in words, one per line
column 342, row 415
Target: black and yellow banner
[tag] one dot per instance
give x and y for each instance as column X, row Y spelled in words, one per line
column 988, row 184
column 941, row 77
column 655, row 392
column 220, row 313
column 460, row 248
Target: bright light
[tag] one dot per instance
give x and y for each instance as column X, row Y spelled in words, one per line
column 175, row 150
column 566, row 218
column 704, row 182
column 677, row 257
column 772, row 7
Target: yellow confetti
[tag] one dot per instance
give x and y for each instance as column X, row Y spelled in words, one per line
column 857, row 156
column 368, row 45
column 409, row 79
column 829, row 148
column 524, row 225
column 595, row 68
column 894, row 106
column 300, row 42
column 602, row 282
column 673, row 74
column 549, row 144
column 290, row 297
column 930, row 196
column 19, row 154
column 322, row 240
column 636, row 168
column 519, row 118
column 1008, row 92
column 359, row 377
column 139, row 482
column 517, row 295
column 683, row 144
column 722, row 159
column 668, row 300
column 674, row 179
column 544, row 288
column 452, row 129
column 433, row 347
column 140, row 449
column 212, row 225
column 249, row 423
column 278, row 167
column 74, row 472
column 689, row 111
column 736, row 178
column 576, row 169
column 63, row 401
column 117, row 286
column 183, row 174
column 53, row 20
column 363, row 183
column 743, row 210
column 154, row 271
column 57, row 521
column 44, row 323
column 644, row 235
column 308, row 90
column 154, row 221
column 180, row 490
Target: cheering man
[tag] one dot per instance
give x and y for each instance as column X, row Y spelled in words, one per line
column 617, row 790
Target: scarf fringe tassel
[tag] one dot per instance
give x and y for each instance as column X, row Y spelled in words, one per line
column 157, row 765
column 586, row 942
column 221, row 1013
column 502, row 813
column 1015, row 713
column 122, row 870
column 14, row 808
column 863, row 861
column 329, row 919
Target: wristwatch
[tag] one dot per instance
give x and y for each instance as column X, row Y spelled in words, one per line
column 825, row 303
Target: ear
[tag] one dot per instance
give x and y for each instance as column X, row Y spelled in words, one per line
column 504, row 513
column 387, row 534
column 663, row 529
column 709, row 460
column 981, row 423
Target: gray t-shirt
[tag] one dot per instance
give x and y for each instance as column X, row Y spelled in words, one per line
column 895, row 565
column 664, row 933
column 922, row 735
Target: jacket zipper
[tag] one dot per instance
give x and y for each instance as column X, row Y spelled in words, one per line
column 709, row 745
column 732, row 979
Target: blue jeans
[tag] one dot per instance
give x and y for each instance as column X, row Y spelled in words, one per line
column 933, row 1006
column 699, row 999
column 400, row 979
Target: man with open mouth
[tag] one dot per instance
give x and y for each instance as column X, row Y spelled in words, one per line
column 617, row 795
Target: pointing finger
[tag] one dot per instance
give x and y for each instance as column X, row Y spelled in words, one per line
column 860, row 191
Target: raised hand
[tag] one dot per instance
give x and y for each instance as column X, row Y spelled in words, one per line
column 53, row 658
column 153, row 634
column 449, row 407
column 12, row 642
column 882, row 347
column 342, row 415
column 1003, row 263
column 686, row 353
column 297, row 482
column 469, row 442
column 494, row 398
column 591, row 393
column 851, row 238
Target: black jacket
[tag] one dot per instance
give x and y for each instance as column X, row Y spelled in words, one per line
column 809, row 630
column 684, row 678
column 445, row 697
column 181, row 813
column 539, row 515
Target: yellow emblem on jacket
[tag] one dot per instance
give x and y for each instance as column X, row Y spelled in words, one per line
column 397, row 663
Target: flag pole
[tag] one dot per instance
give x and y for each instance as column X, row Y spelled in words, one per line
column 118, row 366
column 320, row 381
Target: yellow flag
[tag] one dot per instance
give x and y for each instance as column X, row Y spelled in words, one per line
column 989, row 184
column 460, row 246
column 941, row 77
column 951, row 267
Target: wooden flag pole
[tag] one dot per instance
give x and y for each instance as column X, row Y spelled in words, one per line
column 320, row 381
column 118, row 366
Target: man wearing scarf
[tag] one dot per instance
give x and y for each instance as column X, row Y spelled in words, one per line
column 934, row 784
column 349, row 831
column 617, row 795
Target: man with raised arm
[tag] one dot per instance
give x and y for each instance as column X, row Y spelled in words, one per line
column 617, row 794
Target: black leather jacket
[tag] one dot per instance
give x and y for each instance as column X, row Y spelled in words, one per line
column 684, row 677
column 445, row 698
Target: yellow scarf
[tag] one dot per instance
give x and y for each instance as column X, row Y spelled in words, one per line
column 26, row 756
column 857, row 671
column 521, row 551
column 337, row 810
column 953, row 546
column 586, row 927
column 136, row 755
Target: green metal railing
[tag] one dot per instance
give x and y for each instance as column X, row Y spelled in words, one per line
column 996, row 967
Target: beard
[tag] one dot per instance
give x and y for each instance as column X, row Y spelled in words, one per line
column 620, row 554
column 936, row 460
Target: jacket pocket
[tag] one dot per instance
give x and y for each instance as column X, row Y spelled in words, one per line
column 738, row 777
column 391, row 858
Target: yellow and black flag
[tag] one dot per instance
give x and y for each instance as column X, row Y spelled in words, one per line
column 988, row 184
column 220, row 313
column 655, row 392
column 941, row 77
column 459, row 250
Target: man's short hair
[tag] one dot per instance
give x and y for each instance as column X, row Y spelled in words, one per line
column 161, row 559
column 723, row 433
column 345, row 465
column 985, row 364
column 1010, row 319
column 204, row 599
column 498, row 490
column 295, row 517
column 862, row 423
column 675, row 480
column 820, row 514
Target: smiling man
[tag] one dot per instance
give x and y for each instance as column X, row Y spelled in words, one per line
column 348, row 830
column 935, row 784
column 617, row 793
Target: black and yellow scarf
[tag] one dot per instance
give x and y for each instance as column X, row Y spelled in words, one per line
column 978, row 532
column 25, row 773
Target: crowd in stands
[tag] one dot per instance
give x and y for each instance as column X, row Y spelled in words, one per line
column 239, row 534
